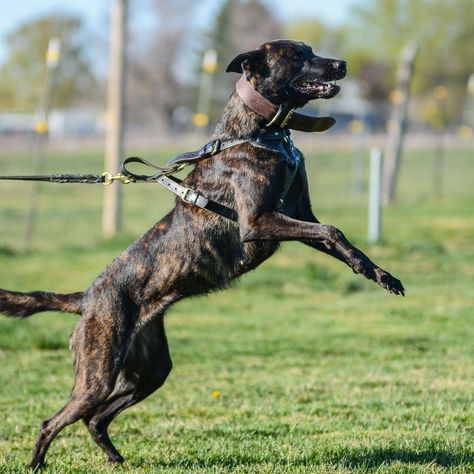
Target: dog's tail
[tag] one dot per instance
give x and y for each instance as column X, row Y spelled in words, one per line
column 22, row 305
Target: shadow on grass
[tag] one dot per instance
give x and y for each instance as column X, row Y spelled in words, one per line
column 353, row 460
column 379, row 457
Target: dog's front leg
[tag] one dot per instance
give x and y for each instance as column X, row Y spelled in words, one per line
column 329, row 239
column 360, row 263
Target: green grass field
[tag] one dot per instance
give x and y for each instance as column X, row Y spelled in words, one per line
column 318, row 370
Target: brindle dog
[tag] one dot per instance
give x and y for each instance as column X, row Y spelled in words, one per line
column 119, row 346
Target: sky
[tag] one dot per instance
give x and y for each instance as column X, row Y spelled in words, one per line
column 93, row 11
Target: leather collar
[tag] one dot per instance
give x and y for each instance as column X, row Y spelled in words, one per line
column 279, row 116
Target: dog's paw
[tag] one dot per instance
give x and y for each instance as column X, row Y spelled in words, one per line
column 118, row 459
column 37, row 466
column 389, row 282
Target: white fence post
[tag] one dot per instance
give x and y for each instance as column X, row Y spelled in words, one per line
column 375, row 208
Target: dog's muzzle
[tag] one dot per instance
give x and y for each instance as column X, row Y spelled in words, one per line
column 318, row 81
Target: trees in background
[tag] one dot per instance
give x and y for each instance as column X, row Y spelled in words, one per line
column 156, row 87
column 377, row 30
column 238, row 26
column 22, row 72
column 370, row 40
column 158, row 83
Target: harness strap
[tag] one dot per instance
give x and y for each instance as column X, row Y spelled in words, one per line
column 186, row 194
column 209, row 149
column 195, row 198
column 178, row 162
column 288, row 184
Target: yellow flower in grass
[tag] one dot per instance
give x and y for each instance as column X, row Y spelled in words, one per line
column 216, row 393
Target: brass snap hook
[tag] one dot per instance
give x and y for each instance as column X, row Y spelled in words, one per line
column 110, row 178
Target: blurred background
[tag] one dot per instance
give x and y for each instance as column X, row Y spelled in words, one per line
column 166, row 40
column 161, row 65
column 313, row 369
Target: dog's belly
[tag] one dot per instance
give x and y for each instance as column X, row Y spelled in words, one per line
column 207, row 264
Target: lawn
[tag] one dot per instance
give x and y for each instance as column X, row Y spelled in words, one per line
column 300, row 367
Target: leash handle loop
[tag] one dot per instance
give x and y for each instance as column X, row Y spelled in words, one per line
column 132, row 177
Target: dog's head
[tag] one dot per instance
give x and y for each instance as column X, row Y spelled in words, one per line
column 289, row 73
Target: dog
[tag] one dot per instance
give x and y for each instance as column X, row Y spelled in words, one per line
column 119, row 347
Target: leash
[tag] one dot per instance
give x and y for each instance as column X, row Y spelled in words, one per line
column 276, row 141
column 66, row 178
column 163, row 176
column 125, row 176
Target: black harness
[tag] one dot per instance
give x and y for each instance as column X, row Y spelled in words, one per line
column 276, row 141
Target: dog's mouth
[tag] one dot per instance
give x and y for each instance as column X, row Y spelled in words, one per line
column 316, row 89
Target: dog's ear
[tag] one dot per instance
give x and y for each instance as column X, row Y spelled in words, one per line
column 246, row 61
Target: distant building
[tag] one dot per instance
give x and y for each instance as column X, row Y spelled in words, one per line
column 13, row 124
column 75, row 122
column 63, row 123
column 347, row 106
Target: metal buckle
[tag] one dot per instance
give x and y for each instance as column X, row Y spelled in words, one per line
column 184, row 197
column 288, row 116
column 211, row 149
column 215, row 147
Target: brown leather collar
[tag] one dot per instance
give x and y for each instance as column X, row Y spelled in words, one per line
column 280, row 116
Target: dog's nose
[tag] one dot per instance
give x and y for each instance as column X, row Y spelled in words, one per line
column 340, row 65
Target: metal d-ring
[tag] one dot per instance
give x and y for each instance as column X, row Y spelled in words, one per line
column 277, row 116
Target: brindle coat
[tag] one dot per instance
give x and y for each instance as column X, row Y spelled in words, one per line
column 119, row 346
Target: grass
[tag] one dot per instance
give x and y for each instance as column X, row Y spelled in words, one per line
column 318, row 370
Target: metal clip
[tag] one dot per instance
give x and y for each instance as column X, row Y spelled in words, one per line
column 110, row 178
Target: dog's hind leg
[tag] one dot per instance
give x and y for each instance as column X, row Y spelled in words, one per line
column 98, row 421
column 146, row 368
column 99, row 344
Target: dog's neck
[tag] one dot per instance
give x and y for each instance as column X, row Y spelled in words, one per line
column 238, row 121
column 248, row 113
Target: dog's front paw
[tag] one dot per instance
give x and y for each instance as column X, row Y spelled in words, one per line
column 389, row 282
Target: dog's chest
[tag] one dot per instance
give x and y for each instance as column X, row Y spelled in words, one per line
column 255, row 253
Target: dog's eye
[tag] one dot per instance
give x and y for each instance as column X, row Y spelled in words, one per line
column 296, row 56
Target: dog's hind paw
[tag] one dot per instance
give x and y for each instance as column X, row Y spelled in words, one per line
column 389, row 282
column 37, row 466
column 116, row 460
